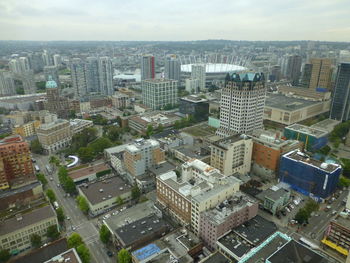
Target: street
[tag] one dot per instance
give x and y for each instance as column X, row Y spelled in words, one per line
column 83, row 226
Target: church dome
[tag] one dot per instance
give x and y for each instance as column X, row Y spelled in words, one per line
column 51, row 84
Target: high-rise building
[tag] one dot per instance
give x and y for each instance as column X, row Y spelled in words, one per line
column 92, row 74
column 147, row 67
column 53, row 72
column 57, row 60
column 194, row 106
column 55, row 103
column 321, row 73
column 158, row 93
column 306, row 76
column 36, row 61
column 275, row 73
column 142, row 155
column 172, row 69
column 78, row 76
column 192, row 85
column 16, row 168
column 47, row 58
column 340, row 109
column 106, row 76
column 293, row 69
column 24, row 64
column 7, row 84
column 242, row 103
column 198, row 72
column 28, row 82
column 15, row 66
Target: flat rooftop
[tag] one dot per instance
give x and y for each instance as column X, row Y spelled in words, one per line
column 99, row 191
column 93, row 169
column 162, row 168
column 304, row 158
column 226, row 142
column 237, row 245
column 145, row 226
column 217, row 257
column 327, row 124
column 69, row 256
column 282, row 102
column 271, row 138
column 194, row 99
column 27, row 219
column 11, row 192
column 273, row 194
column 345, row 222
column 312, row 131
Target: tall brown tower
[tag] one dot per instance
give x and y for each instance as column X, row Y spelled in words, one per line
column 321, row 73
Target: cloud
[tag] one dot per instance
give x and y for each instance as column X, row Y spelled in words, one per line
column 175, row 20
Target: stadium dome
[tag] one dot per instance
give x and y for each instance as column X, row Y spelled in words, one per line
column 214, row 68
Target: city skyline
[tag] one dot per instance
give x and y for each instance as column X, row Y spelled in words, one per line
column 195, row 20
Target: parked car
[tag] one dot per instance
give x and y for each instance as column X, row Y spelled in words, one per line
column 287, row 209
column 110, row 253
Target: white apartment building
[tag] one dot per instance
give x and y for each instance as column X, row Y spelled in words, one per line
column 78, row 76
column 7, row 84
column 192, row 85
column 106, row 76
column 242, row 104
column 232, row 154
column 158, row 93
column 198, row 72
column 78, row 125
column 15, row 232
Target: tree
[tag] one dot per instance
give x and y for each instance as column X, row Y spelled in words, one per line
column 105, row 234
column 113, row 133
column 36, row 147
column 54, row 160
column 51, row 195
column 84, row 253
column 41, row 178
column 120, row 200
column 149, row 130
column 100, row 144
column 302, row 216
column 72, row 114
column 69, row 186
column 74, row 240
column 52, row 232
column 160, row 128
column 86, row 154
column 4, row 255
column 344, row 182
column 60, row 214
column 135, row 192
column 35, row 240
column 83, row 204
column 124, row 256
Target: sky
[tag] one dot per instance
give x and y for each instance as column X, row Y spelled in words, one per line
column 170, row 20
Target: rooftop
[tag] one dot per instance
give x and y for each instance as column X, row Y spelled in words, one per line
column 69, row 256
column 225, row 143
column 140, row 144
column 27, row 219
column 143, row 227
column 237, row 202
column 99, row 191
column 50, row 125
column 327, row 124
column 282, row 102
column 271, row 138
column 214, row 67
column 10, row 192
column 312, row 131
column 217, row 257
column 162, row 168
column 116, row 149
column 299, row 156
column 93, row 169
column 194, row 99
column 273, row 194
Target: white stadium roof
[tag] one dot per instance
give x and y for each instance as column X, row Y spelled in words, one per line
column 215, row 67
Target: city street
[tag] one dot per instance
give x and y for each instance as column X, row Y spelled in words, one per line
column 86, row 228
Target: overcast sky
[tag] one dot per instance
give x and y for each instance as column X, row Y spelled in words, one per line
column 175, row 20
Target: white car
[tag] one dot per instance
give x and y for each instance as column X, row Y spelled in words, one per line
column 291, row 206
column 287, row 209
column 73, row 228
column 68, row 218
column 106, row 216
column 51, row 179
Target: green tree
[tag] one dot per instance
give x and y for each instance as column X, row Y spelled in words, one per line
column 41, row 178
column 120, row 200
column 100, row 144
column 36, row 147
column 74, row 240
column 160, row 128
column 4, row 255
column 135, row 192
column 52, row 232
column 83, row 204
column 149, row 130
column 302, row 216
column 84, row 253
column 113, row 133
column 53, row 160
column 343, row 181
column 51, row 195
column 86, row 154
column 105, row 234
column 60, row 214
column 41, row 85
column 35, row 240
column 124, row 256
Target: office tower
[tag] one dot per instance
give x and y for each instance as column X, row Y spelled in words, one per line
column 194, row 106
column 242, row 103
column 340, row 109
column 24, row 64
column 293, row 69
column 47, row 58
column 198, row 72
column 92, row 74
column 321, row 73
column 147, row 67
column 275, row 73
column 55, row 103
column 57, row 60
column 158, row 93
column 28, row 82
column 142, row 155
column 36, row 61
column 15, row 66
column 192, row 85
column 53, row 72
column 106, row 76
column 172, row 69
column 306, row 76
column 15, row 162
column 78, row 77
column 7, row 84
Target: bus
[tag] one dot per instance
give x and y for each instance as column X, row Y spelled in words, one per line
column 37, row 169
